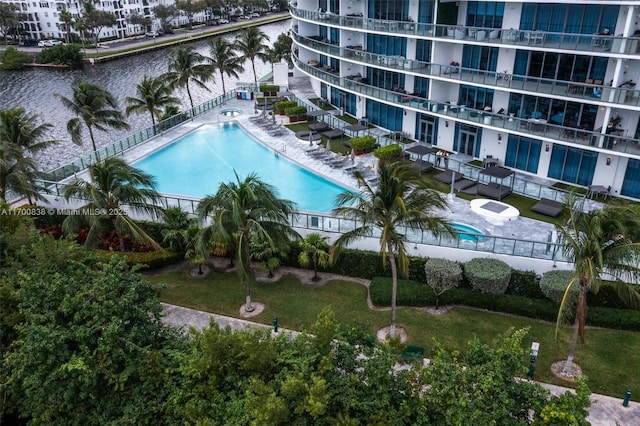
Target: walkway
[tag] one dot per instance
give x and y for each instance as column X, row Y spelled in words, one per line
column 604, row 411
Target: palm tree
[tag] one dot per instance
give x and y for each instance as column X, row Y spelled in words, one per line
column 186, row 66
column 175, row 230
column 267, row 255
column 96, row 108
column 153, row 95
column 224, row 59
column 18, row 173
column 252, row 44
column 599, row 242
column 67, row 19
column 115, row 191
column 240, row 210
column 314, row 250
column 403, row 199
column 22, row 130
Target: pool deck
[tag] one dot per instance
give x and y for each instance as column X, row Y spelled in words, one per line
column 294, row 149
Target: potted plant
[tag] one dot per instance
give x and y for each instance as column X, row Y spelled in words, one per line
column 614, row 122
column 296, row 113
column 388, row 152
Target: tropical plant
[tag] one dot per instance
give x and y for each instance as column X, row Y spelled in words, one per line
column 599, row 242
column 187, row 65
column 267, row 255
column 96, row 108
column 21, row 129
column 175, row 230
column 402, row 201
column 314, row 251
column 252, row 44
column 239, row 210
column 9, row 19
column 96, row 19
column 488, row 275
column 18, row 173
column 115, row 191
column 66, row 18
column 66, row 54
column 14, row 59
column 152, row 96
column 224, row 59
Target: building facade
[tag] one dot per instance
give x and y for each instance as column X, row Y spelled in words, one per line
column 547, row 88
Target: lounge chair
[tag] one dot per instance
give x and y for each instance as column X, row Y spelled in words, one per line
column 333, row 134
column 422, row 166
column 548, row 207
column 319, row 127
column 494, row 190
column 447, row 175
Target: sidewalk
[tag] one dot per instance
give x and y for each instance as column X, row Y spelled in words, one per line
column 604, row 411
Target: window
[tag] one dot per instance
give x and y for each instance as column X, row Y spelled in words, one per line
column 568, row 18
column 556, row 111
column 479, row 58
column 485, row 14
column 425, row 11
column 556, row 66
column 523, row 153
column 387, row 116
column 423, row 50
column 631, row 183
column 389, row 10
column 572, row 165
column 386, row 45
column 475, row 97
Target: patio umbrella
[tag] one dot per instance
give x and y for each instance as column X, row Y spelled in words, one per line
column 353, row 156
column 328, row 145
column 310, row 140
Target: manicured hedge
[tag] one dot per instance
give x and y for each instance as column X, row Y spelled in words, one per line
column 388, row 151
column 280, row 107
column 362, row 143
column 295, row 111
column 153, row 259
column 416, row 294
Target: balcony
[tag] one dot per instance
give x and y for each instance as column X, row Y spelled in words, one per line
column 589, row 44
column 592, row 92
column 532, row 127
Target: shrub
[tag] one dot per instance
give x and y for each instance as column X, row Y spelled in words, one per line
column 554, row 283
column 295, row 111
column 442, row 276
column 14, row 59
column 67, row 54
column 523, row 283
column 488, row 275
column 362, row 143
column 280, row 107
column 152, row 259
column 268, row 88
column 388, row 151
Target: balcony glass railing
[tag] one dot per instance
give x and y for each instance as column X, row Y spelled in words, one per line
column 595, row 93
column 588, row 43
column 536, row 127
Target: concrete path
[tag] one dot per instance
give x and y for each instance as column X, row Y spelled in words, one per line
column 604, row 411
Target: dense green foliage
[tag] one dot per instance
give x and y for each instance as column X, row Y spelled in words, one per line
column 64, row 54
column 264, row 88
column 281, row 107
column 361, row 143
column 554, row 284
column 488, row 275
column 391, row 151
column 295, row 111
column 14, row 59
column 442, row 276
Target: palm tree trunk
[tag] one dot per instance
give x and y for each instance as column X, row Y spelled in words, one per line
column 119, row 234
column 93, row 143
column 224, row 91
column 394, row 289
column 245, row 263
column 255, row 76
column 190, row 98
column 568, row 366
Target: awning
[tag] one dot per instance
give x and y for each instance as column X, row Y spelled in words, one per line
column 355, row 127
column 419, row 150
column 497, row 172
column 317, row 113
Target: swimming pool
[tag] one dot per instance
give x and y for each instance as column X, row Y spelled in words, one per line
column 467, row 232
column 198, row 162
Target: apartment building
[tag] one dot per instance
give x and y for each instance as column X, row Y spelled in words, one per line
column 546, row 88
column 43, row 17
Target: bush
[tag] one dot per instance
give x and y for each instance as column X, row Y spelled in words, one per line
column 280, row 107
column 488, row 275
column 523, row 283
column 295, row 111
column 554, row 283
column 152, row 259
column 388, row 151
column 67, row 54
column 362, row 143
column 14, row 59
column 442, row 276
column 269, row 88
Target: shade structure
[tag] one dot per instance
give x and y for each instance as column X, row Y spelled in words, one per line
column 497, row 172
column 317, row 113
column 420, row 150
column 355, row 127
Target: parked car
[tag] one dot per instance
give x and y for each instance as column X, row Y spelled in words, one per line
column 254, row 15
column 49, row 43
column 223, row 21
column 153, row 34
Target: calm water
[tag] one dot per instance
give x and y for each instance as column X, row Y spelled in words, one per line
column 197, row 163
column 467, row 232
column 33, row 89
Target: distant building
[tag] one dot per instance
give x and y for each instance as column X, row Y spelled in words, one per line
column 548, row 89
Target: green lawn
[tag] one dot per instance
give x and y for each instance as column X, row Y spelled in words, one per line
column 336, row 144
column 609, row 357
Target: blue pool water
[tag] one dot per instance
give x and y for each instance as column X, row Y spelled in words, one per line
column 467, row 232
column 197, row 163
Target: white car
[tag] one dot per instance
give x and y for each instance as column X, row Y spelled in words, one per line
column 223, row 21
column 254, row 15
column 49, row 43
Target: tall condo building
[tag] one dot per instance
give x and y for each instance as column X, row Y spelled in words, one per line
column 546, row 88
